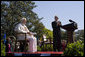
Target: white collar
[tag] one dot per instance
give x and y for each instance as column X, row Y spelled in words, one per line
column 56, row 21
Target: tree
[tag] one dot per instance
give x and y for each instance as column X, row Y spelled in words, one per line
column 79, row 35
column 63, row 35
column 13, row 11
column 48, row 33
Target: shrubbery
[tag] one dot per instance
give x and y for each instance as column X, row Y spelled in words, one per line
column 75, row 49
column 46, row 48
column 38, row 48
column 2, row 49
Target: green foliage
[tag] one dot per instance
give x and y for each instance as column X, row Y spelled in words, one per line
column 38, row 48
column 45, row 48
column 75, row 49
column 48, row 47
column 13, row 11
column 49, row 33
column 2, row 49
column 80, row 35
column 63, row 35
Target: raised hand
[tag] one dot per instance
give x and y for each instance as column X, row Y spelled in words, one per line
column 58, row 23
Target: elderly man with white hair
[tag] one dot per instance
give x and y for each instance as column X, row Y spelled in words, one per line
column 21, row 28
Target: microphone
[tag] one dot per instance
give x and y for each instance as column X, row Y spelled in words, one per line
column 71, row 21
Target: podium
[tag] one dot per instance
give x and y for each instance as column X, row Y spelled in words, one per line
column 70, row 28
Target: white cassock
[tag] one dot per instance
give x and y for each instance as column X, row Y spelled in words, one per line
column 32, row 40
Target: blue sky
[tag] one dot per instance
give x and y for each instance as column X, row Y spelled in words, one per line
column 65, row 10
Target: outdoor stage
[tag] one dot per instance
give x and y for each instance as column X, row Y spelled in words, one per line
column 47, row 53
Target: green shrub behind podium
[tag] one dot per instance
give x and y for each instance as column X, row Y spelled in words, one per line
column 75, row 49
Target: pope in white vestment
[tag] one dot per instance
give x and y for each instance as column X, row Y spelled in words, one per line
column 21, row 28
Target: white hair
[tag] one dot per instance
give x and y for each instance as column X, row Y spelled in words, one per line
column 23, row 19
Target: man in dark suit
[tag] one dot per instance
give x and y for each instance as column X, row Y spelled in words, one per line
column 56, row 34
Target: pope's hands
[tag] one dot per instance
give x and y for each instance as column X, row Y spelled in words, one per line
column 29, row 33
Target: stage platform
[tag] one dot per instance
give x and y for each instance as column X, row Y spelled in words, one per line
column 47, row 53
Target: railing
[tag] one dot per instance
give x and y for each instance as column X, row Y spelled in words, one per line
column 47, row 42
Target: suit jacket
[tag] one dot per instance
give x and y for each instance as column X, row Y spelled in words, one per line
column 56, row 30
